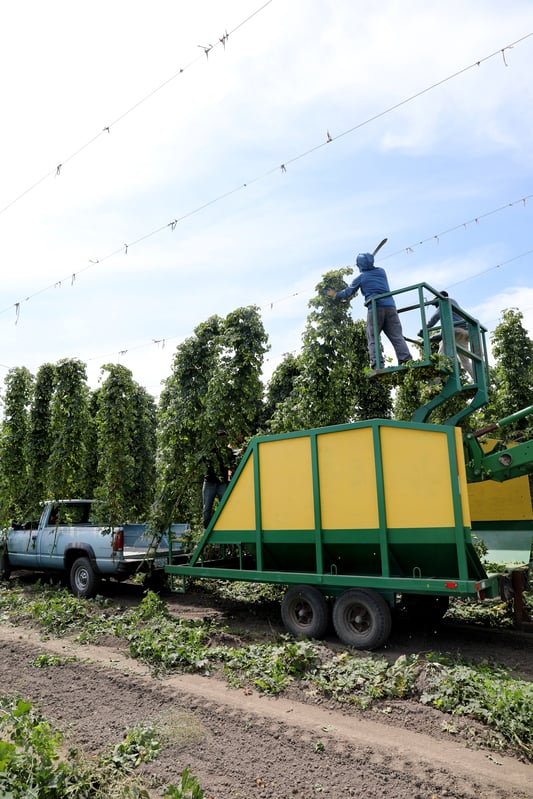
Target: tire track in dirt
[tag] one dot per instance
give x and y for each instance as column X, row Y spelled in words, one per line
column 381, row 746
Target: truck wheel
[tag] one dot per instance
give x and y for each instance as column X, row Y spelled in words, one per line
column 362, row 618
column 304, row 611
column 84, row 581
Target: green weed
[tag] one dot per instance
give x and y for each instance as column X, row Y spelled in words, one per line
column 141, row 744
column 175, row 644
column 269, row 667
column 361, row 681
column 31, row 766
column 484, row 693
column 238, row 591
column 45, row 660
column 188, row 788
column 167, row 643
column 55, row 610
column 490, row 613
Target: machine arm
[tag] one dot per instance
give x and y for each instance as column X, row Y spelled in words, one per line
column 501, row 462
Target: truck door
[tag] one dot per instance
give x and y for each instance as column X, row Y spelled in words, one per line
column 50, row 550
column 60, row 529
column 22, row 545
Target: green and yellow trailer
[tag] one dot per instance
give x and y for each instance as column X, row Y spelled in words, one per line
column 353, row 519
column 357, row 519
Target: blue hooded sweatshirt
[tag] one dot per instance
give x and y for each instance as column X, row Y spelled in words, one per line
column 372, row 281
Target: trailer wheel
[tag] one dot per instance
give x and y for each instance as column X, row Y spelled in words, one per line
column 84, row 581
column 362, row 619
column 304, row 611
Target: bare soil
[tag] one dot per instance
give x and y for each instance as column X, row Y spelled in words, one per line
column 241, row 744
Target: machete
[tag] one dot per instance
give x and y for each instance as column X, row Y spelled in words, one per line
column 380, row 245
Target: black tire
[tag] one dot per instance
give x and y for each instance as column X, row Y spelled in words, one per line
column 84, row 581
column 305, row 611
column 362, row 619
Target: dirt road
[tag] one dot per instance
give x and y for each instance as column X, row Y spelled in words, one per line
column 240, row 744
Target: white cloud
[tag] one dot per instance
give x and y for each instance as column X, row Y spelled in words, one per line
column 295, row 71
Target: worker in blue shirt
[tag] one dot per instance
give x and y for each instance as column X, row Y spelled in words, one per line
column 372, row 280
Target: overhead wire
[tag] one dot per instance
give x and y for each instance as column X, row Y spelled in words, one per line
column 173, row 223
column 283, row 168
column 271, row 303
column 492, row 268
column 475, row 220
column 221, row 42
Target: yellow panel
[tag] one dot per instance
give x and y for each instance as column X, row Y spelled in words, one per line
column 461, row 470
column 509, row 501
column 286, row 484
column 348, row 497
column 416, row 473
column 497, row 502
column 239, row 511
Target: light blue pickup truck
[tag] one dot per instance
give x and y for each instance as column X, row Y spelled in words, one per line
column 70, row 540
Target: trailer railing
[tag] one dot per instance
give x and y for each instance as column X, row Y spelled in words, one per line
column 446, row 367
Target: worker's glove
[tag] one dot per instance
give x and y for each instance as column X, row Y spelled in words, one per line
column 330, row 293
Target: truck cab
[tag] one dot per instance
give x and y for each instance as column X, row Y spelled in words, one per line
column 63, row 524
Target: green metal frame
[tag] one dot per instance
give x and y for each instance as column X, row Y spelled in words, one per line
column 501, row 463
column 381, row 546
column 387, row 575
column 454, row 383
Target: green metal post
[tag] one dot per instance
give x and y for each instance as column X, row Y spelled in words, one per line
column 316, row 505
column 382, row 511
column 258, row 522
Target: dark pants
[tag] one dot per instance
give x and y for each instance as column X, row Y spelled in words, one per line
column 211, row 490
column 388, row 322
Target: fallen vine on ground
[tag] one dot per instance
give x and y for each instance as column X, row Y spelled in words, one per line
column 170, row 644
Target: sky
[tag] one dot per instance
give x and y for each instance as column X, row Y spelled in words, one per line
column 163, row 162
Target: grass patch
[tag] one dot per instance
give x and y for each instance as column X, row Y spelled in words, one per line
column 180, row 728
